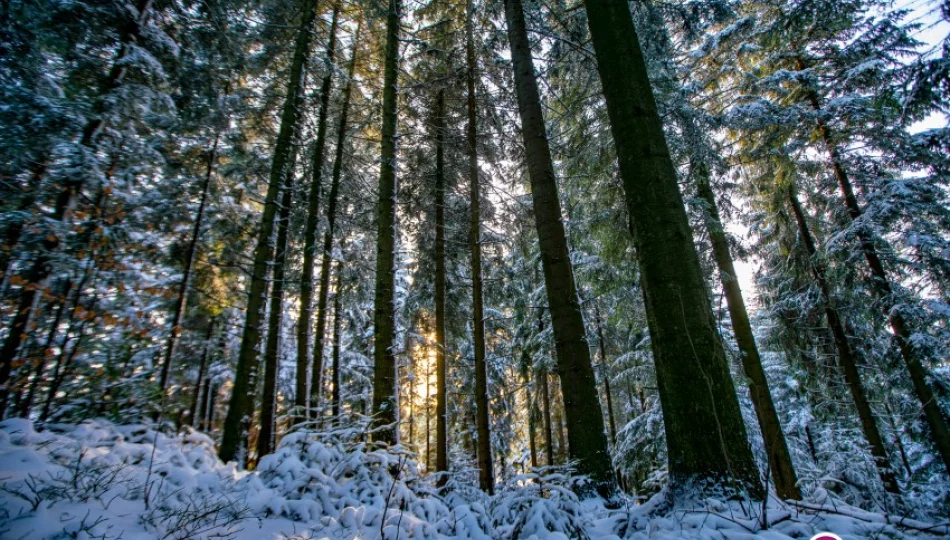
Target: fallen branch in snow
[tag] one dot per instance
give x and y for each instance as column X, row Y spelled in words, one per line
column 904, row 522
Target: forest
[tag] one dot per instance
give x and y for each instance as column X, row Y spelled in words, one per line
column 474, row 269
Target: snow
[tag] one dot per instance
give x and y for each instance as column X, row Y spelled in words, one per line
column 92, row 480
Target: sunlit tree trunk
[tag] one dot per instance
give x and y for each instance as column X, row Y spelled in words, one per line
column 546, row 412
column 239, row 405
column 532, row 420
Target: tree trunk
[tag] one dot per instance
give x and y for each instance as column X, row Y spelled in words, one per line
column 441, row 432
column 336, row 343
column 384, row 376
column 847, row 356
column 486, row 470
column 266, row 436
column 202, row 369
column 546, row 410
column 532, row 427
column 310, row 247
column 585, row 421
column 606, row 372
column 695, row 386
column 251, row 338
column 884, row 291
column 780, row 459
column 190, row 252
column 428, row 415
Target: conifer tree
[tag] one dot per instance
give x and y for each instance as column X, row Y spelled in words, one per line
column 585, row 424
column 385, row 409
column 687, row 352
column 239, row 405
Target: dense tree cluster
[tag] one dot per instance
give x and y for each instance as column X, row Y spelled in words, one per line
column 514, row 234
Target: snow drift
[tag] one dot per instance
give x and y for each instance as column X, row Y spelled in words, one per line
column 107, row 481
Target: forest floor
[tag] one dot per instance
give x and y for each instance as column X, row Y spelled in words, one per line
column 99, row 480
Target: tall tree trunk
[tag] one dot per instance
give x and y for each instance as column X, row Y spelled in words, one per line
column 427, row 412
column 384, row 376
column 336, row 343
column 485, row 468
column 532, row 422
column 310, row 246
column 562, row 442
column 847, row 356
column 582, row 411
column 266, row 436
column 192, row 419
column 606, row 372
column 411, row 380
column 209, row 393
column 780, row 459
column 182, row 300
column 250, row 340
column 441, row 431
column 695, row 386
column 546, row 411
column 881, row 285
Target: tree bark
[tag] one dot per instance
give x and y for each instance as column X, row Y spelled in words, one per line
column 780, row 459
column 606, row 372
column 546, row 410
column 582, row 410
column 266, row 436
column 336, row 343
column 695, row 386
column 532, row 426
column 182, row 300
column 385, row 408
column 441, row 431
column 251, row 337
column 486, row 469
column 847, row 356
column 310, row 247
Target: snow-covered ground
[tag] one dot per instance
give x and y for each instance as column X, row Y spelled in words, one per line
column 99, row 480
